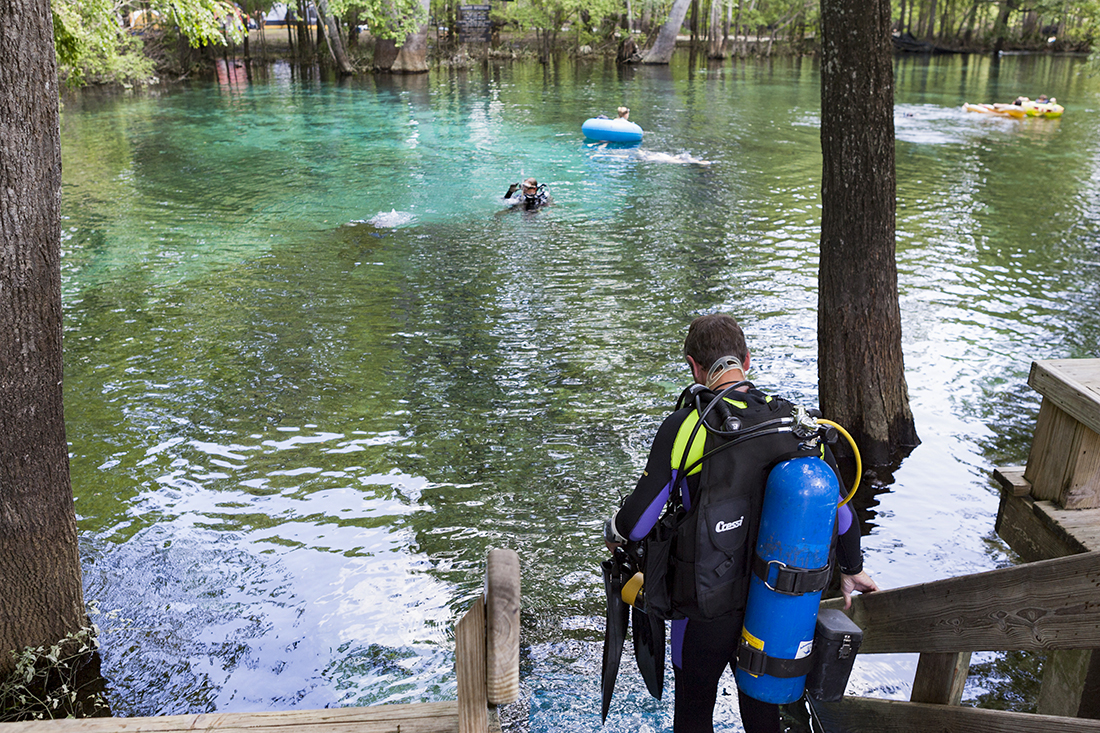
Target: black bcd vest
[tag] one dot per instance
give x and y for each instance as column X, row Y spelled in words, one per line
column 698, row 560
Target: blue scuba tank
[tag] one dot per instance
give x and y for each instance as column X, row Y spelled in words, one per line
column 790, row 571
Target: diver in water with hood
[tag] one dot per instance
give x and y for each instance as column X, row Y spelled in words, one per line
column 529, row 195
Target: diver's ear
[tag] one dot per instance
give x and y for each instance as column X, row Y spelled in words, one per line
column 698, row 373
column 745, row 366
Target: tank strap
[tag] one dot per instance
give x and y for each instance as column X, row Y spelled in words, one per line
column 790, row 580
column 756, row 662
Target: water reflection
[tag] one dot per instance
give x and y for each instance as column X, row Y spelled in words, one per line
column 311, row 377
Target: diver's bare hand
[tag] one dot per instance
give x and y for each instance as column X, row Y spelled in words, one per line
column 861, row 581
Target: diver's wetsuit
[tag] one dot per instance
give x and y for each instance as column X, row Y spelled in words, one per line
column 529, row 203
column 701, row 649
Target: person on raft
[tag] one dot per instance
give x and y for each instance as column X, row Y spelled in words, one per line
column 623, row 112
column 528, row 195
column 708, row 612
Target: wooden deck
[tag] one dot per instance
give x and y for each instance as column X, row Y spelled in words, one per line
column 1050, row 508
column 1050, row 515
column 436, row 717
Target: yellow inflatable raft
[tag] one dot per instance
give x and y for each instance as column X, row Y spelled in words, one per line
column 1039, row 109
column 1018, row 111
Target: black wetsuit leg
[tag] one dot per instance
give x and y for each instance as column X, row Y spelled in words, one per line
column 758, row 716
column 708, row 647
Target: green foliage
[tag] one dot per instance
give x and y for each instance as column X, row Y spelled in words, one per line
column 94, row 44
column 47, row 682
column 203, row 22
column 1079, row 20
column 385, row 18
column 549, row 16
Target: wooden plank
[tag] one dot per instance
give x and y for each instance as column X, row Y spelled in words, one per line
column 473, row 714
column 868, row 715
column 1038, row 456
column 1082, row 490
column 1064, row 464
column 1011, row 479
column 440, row 717
column 1049, row 465
column 1078, row 528
column 502, row 602
column 1071, row 384
column 1045, row 605
column 1035, row 530
column 940, row 678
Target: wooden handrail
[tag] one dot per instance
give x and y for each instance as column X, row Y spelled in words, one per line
column 868, row 715
column 1040, row 606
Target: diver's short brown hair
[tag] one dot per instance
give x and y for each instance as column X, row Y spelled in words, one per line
column 713, row 336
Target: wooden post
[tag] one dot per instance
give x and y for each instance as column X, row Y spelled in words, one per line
column 502, row 600
column 940, row 678
column 487, row 647
column 473, row 715
column 1064, row 677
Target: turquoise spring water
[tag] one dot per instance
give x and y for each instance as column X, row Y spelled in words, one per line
column 315, row 371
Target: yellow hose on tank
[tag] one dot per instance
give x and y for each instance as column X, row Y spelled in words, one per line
column 855, row 450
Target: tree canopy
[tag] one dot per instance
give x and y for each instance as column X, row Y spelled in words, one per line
column 394, row 19
column 106, row 40
column 103, row 41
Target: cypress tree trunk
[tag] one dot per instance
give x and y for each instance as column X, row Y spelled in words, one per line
column 861, row 374
column 385, row 53
column 41, row 598
column 716, row 42
column 333, row 40
column 693, row 25
column 413, row 56
column 661, row 51
column 726, row 28
column 353, row 28
column 1000, row 27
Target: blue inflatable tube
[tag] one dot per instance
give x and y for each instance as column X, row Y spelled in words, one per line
column 612, row 131
column 796, row 531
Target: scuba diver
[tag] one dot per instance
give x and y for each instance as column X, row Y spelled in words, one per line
column 703, row 543
column 528, row 196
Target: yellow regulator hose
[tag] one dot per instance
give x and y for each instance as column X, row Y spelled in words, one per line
column 855, row 450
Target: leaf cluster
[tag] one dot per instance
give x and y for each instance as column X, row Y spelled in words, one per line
column 551, row 15
column 386, row 18
column 48, row 682
column 95, row 45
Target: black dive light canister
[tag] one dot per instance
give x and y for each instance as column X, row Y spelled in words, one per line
column 836, row 641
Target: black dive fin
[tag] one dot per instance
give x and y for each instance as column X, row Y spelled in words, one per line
column 649, row 650
column 614, row 631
